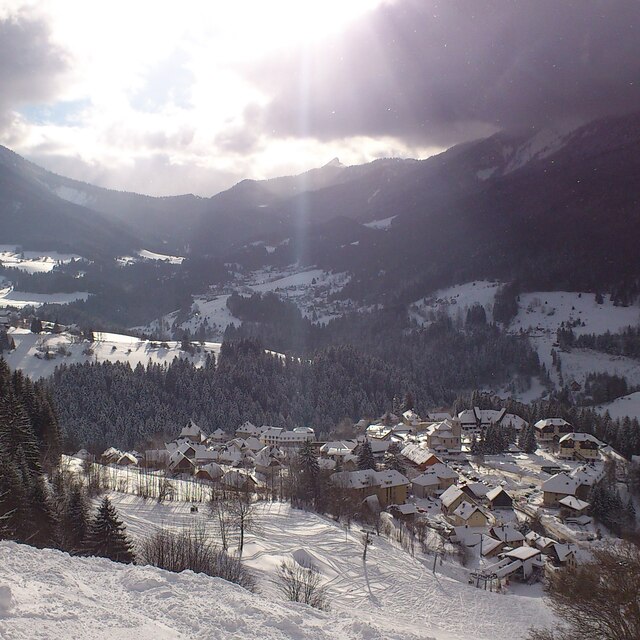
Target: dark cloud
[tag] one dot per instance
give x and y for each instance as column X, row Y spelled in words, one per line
column 31, row 66
column 440, row 72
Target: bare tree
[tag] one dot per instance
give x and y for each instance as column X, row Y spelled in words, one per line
column 599, row 599
column 302, row 584
column 219, row 508
column 242, row 516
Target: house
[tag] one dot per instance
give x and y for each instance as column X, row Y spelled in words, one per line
column 403, row 512
column 579, row 446
column 474, row 421
column 571, row 506
column 179, row 463
column 269, row 460
column 337, row 449
column 558, row 487
column 443, row 439
column 563, row 555
column 425, row 485
column 491, row 547
column 239, row 480
column 498, row 498
column 84, row 455
column 542, row 543
column 211, row 472
column 127, row 460
column 389, row 486
column 247, row 429
column 509, row 535
column 419, row 456
column 451, row 499
column 192, row 433
column 470, row 515
column 551, row 429
column 477, row 491
column 218, row 436
column 529, row 558
column 586, row 476
column 111, row 455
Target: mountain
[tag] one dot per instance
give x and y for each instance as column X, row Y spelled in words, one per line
column 33, row 216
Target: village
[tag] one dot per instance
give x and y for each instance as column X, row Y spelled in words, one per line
column 512, row 516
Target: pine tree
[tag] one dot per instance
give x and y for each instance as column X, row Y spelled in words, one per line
column 309, row 473
column 107, row 536
column 365, row 457
column 75, row 519
column 527, row 440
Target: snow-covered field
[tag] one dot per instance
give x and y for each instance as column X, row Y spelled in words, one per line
column 149, row 255
column 393, row 592
column 33, row 261
column 621, row 407
column 46, row 594
column 308, row 289
column 21, row 299
column 456, row 301
column 31, row 350
column 380, row 225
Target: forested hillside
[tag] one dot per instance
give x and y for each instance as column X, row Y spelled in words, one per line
column 110, row 404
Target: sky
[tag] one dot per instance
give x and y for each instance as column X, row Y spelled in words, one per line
column 164, row 97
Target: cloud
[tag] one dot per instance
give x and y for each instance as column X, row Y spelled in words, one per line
column 31, row 66
column 441, row 72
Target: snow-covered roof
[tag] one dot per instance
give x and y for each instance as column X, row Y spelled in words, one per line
column 522, row 553
column 338, row 447
column 551, row 422
column 563, row 551
column 465, row 510
column 588, row 474
column 506, row 534
column 560, row 483
column 538, row 541
column 488, row 544
column 580, row 437
column 490, row 416
column 450, row 496
column 426, row 480
column 405, row 509
column 370, row 478
column 417, row 454
column 478, row 489
column 492, row 494
column 573, row 503
column 193, row 431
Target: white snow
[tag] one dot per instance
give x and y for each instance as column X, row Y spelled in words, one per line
column 75, row 196
column 456, row 301
column 394, row 590
column 150, row 255
column 49, row 594
column 21, row 299
column 621, row 407
column 33, row 261
column 30, row 352
column 381, row 225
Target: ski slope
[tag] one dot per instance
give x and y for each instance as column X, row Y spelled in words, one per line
column 46, row 594
column 397, row 591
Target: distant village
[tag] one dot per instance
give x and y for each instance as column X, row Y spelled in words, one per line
column 423, row 470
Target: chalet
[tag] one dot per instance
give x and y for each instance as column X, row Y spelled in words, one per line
column 239, row 480
column 192, row 433
column 570, row 506
column 474, row 421
column 211, row 472
column 498, row 498
column 419, row 456
column 247, row 429
column 269, row 460
column 451, row 499
column 437, row 477
column 179, row 463
column 558, row 487
column 403, row 512
column 476, row 491
column 470, row 515
column 586, row 476
column 491, row 547
column 509, row 535
column 579, row 446
column 551, row 429
column 111, row 455
column 542, row 543
column 218, row 436
column 563, row 555
column 389, row 486
column 84, row 455
column 443, row 439
column 127, row 460
column 337, row 449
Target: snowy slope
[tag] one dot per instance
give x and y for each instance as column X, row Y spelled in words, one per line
column 31, row 348
column 456, row 301
column 33, row 261
column 622, row 407
column 391, row 587
column 48, row 594
column 21, row 299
